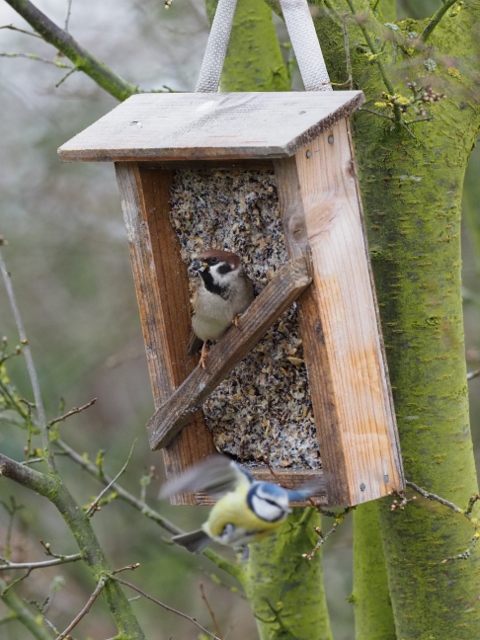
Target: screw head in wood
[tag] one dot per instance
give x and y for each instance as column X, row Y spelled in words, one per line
column 362, row 487
column 309, row 154
column 330, row 139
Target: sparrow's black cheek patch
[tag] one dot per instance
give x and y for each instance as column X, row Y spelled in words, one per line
column 212, row 286
column 224, row 268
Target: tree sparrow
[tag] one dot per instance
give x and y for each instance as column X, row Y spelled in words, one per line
column 223, row 292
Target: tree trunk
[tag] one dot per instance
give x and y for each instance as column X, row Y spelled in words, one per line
column 411, row 189
column 285, row 590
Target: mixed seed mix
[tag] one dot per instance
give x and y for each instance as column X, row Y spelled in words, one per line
column 263, row 408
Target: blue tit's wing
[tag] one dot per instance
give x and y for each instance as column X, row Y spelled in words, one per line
column 215, row 476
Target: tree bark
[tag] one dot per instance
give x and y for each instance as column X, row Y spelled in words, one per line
column 285, row 590
column 371, row 598
column 411, row 189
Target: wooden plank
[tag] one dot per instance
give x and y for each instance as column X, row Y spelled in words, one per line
column 339, row 321
column 288, row 478
column 161, row 284
column 288, row 283
column 215, row 126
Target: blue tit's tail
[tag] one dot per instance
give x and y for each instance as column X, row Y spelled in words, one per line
column 195, row 542
column 304, row 492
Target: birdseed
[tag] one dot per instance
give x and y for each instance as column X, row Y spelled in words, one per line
column 263, row 408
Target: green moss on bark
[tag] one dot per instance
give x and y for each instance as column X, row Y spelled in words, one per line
column 411, row 190
column 254, row 60
column 371, row 599
column 286, row 590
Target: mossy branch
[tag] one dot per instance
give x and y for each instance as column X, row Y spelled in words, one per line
column 51, row 487
column 81, row 58
column 144, row 508
column 379, row 63
column 427, row 32
column 20, row 611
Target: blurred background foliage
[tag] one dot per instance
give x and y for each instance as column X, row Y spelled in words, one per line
column 69, row 261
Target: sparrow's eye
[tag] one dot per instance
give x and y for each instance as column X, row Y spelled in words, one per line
column 213, row 260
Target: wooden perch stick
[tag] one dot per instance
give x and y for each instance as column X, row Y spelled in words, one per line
column 289, row 282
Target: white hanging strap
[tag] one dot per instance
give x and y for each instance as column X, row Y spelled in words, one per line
column 302, row 35
column 305, row 45
column 209, row 79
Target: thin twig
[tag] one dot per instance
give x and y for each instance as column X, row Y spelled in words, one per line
column 210, row 610
column 69, row 11
column 466, row 554
column 347, row 51
column 95, row 471
column 28, row 33
column 66, row 76
column 144, row 508
column 81, row 58
column 72, row 412
column 166, row 607
column 94, row 506
column 473, row 374
column 30, row 364
column 10, row 566
column 376, row 113
column 323, row 537
column 434, row 497
column 379, row 63
column 33, row 56
column 98, row 590
column 427, row 32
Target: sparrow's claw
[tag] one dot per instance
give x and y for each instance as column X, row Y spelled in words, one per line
column 236, row 321
column 203, row 356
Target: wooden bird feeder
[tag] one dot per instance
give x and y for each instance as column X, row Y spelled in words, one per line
column 305, row 139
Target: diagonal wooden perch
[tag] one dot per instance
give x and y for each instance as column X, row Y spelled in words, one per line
column 288, row 283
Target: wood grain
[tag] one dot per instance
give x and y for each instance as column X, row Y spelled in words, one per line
column 215, row 126
column 339, row 321
column 285, row 287
column 162, row 291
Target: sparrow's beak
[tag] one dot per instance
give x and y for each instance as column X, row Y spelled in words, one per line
column 198, row 265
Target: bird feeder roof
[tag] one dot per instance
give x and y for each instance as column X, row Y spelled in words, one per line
column 210, row 126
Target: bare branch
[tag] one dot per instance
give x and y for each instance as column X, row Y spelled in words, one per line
column 98, row 590
column 81, row 58
column 167, row 608
column 30, row 364
column 27, row 33
column 144, row 508
column 94, row 506
column 210, row 610
column 10, row 566
column 69, row 12
column 473, row 374
column 323, row 537
column 379, row 63
column 34, row 56
column 72, row 412
column 19, row 611
column 434, row 497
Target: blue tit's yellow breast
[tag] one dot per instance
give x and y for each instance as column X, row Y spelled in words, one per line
column 233, row 508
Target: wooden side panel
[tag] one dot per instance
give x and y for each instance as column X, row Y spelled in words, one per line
column 339, row 321
column 162, row 291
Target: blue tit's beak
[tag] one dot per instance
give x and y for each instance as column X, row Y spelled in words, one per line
column 197, row 266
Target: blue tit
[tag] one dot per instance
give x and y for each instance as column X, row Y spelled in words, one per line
column 246, row 511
